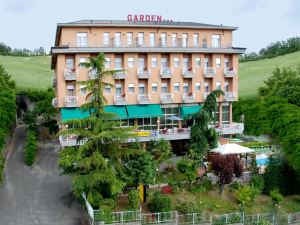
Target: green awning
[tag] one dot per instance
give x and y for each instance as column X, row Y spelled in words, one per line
column 186, row 111
column 144, row 111
column 77, row 113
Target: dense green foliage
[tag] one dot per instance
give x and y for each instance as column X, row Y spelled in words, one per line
column 133, row 200
column 31, row 147
column 160, row 203
column 7, row 50
column 245, row 195
column 7, row 111
column 278, row 48
column 141, row 168
column 276, row 196
column 188, row 168
column 160, row 149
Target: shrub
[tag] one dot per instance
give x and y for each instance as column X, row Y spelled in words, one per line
column 134, row 199
column 186, row 205
column 94, row 198
column 257, row 181
column 30, row 148
column 160, row 203
column 235, row 185
column 264, row 222
column 206, row 184
column 105, row 215
column 276, row 196
column 166, row 190
column 2, row 162
column 245, row 195
column 111, row 203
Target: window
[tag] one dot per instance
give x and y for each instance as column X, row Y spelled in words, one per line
column 154, row 62
column 184, row 40
column 152, row 39
column 185, row 63
column 218, row 85
column 164, row 62
column 206, row 62
column 218, row 62
column 117, row 40
column 141, row 88
column 164, row 87
column 216, row 41
column 105, row 38
column 226, row 86
column 225, row 114
column 141, row 38
column 165, row 121
column 197, row 62
column 174, row 40
column 206, row 87
column 141, row 63
column 83, row 89
column 195, row 39
column 118, row 63
column 107, row 89
column 176, row 87
column 198, row 86
column 226, row 63
column 131, row 88
column 130, row 63
column 82, row 40
column 70, row 64
column 176, row 62
column 81, row 60
column 154, row 87
column 185, row 88
column 70, row 90
column 163, row 39
column 107, row 63
column 129, row 38
column 119, row 89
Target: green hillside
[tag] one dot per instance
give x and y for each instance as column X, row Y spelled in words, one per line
column 35, row 72
column 28, row 72
column 252, row 74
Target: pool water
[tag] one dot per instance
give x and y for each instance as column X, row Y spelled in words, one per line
column 262, row 161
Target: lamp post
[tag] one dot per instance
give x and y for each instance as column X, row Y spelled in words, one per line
column 158, row 122
column 67, row 126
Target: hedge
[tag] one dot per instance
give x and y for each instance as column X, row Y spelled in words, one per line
column 30, row 147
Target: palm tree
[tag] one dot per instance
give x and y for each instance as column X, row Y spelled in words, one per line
column 202, row 137
column 96, row 166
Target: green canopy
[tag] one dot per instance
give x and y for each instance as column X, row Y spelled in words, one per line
column 77, row 113
column 144, row 111
column 186, row 111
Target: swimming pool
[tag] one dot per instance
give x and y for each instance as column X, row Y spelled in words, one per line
column 262, row 161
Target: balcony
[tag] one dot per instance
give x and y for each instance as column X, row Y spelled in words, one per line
column 144, row 73
column 209, row 72
column 70, row 140
column 92, row 74
column 55, row 102
column 188, row 73
column 121, row 74
column 205, row 95
column 232, row 128
column 71, row 101
column 54, row 81
column 144, row 99
column 229, row 72
column 70, row 74
column 230, row 96
column 188, row 97
column 166, row 98
column 166, row 72
column 120, row 99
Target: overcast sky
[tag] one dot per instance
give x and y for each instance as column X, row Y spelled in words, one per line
column 32, row 23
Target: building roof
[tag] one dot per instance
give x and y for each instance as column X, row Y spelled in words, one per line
column 125, row 23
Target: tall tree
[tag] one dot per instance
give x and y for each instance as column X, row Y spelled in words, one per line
column 160, row 149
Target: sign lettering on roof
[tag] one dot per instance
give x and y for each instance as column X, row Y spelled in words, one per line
column 146, row 18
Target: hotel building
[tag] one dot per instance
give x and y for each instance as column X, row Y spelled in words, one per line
column 169, row 70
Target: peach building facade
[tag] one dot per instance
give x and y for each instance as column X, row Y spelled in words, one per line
column 170, row 65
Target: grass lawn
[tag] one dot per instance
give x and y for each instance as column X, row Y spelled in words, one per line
column 252, row 74
column 28, row 72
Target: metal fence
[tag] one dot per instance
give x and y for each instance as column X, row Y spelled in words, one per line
column 195, row 218
column 294, row 218
column 160, row 217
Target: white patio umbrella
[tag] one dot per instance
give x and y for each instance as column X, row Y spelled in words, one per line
column 231, row 149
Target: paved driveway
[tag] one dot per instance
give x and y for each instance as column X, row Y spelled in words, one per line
column 37, row 195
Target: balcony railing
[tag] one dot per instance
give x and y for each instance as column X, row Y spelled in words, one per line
column 205, row 95
column 144, row 73
column 166, row 72
column 188, row 97
column 209, row 72
column 229, row 72
column 188, row 73
column 92, row 74
column 55, row 102
column 144, row 99
column 70, row 74
column 120, row 99
column 71, row 101
column 122, row 74
column 166, row 98
column 232, row 128
column 230, row 96
column 178, row 43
